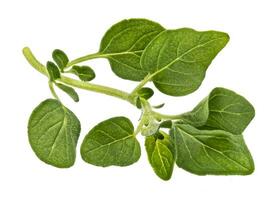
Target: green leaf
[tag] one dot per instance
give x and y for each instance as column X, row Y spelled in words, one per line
column 214, row 152
column 85, row 73
column 160, row 154
column 159, row 106
column 53, row 132
column 145, row 93
column 111, row 142
column 166, row 124
column 124, row 43
column 60, row 58
column 70, row 91
column 53, row 71
column 178, row 59
column 222, row 109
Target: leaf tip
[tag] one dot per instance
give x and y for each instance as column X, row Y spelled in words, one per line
column 250, row 168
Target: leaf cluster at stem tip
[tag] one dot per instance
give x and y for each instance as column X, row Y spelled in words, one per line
column 207, row 140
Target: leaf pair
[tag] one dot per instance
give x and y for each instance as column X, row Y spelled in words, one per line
column 54, row 74
column 85, row 73
column 113, row 143
column 208, row 139
column 176, row 59
column 61, row 60
column 53, row 132
column 124, row 43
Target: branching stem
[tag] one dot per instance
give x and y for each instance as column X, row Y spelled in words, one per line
column 129, row 97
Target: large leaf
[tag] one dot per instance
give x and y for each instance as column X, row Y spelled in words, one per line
column 222, row 109
column 53, row 133
column 179, row 58
column 160, row 154
column 123, row 44
column 111, row 142
column 211, row 151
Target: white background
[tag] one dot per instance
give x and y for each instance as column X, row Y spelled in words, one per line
column 246, row 66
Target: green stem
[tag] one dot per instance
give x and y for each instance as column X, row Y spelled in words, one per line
column 144, row 81
column 53, row 91
column 164, row 116
column 96, row 88
column 97, row 55
column 85, row 58
column 33, row 61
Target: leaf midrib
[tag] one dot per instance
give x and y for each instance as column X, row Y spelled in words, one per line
column 109, row 144
column 64, row 123
column 219, row 152
column 161, row 157
column 184, row 54
column 121, row 53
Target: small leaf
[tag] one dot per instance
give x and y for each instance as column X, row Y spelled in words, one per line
column 214, row 152
column 85, row 73
column 222, row 109
column 159, row 106
column 60, row 58
column 111, row 142
column 178, row 59
column 145, row 93
column 53, row 132
column 160, row 154
column 124, row 43
column 70, row 91
column 53, row 71
column 166, row 124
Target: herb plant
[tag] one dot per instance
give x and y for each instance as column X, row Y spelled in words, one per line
column 206, row 140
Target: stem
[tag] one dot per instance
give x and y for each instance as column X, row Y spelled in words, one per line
column 33, row 61
column 164, row 116
column 96, row 88
column 141, row 84
column 144, row 81
column 53, row 91
column 97, row 55
column 85, row 58
column 76, row 83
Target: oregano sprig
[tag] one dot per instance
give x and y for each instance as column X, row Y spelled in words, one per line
column 206, row 140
